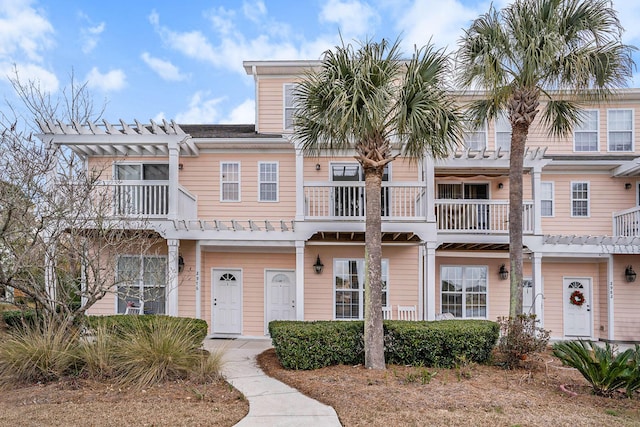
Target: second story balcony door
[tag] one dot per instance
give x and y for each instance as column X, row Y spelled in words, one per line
column 463, row 216
column 349, row 200
column 142, row 189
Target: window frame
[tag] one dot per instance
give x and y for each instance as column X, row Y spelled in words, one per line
column 482, row 129
column 238, row 182
column 543, row 199
column 500, row 118
column 142, row 165
column 288, row 106
column 587, row 200
column 276, row 182
column 360, row 262
column 610, row 131
column 579, row 130
column 140, row 281
column 463, row 291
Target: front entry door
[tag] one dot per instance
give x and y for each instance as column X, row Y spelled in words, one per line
column 577, row 316
column 226, row 301
column 281, row 295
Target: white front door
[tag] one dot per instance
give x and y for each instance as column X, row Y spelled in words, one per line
column 280, row 295
column 226, row 303
column 577, row 307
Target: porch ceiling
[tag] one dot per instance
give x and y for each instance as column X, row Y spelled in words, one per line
column 354, row 236
column 494, row 247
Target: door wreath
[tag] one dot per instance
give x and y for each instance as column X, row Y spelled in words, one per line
column 577, row 298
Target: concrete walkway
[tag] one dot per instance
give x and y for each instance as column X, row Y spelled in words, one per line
column 271, row 403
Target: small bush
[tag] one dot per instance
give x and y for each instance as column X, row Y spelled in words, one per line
column 600, row 366
column 208, row 368
column 632, row 383
column 156, row 350
column 38, row 353
column 121, row 324
column 520, row 338
column 97, row 352
column 313, row 345
column 19, row 319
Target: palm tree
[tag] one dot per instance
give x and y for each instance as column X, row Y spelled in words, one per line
column 367, row 99
column 562, row 52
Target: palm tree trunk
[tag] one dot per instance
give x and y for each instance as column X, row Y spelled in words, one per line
column 516, row 166
column 373, row 332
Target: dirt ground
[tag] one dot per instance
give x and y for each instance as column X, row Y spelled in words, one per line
column 89, row 403
column 471, row 395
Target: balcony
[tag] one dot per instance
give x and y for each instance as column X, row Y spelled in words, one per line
column 346, row 201
column 146, row 199
column 479, row 216
column 627, row 223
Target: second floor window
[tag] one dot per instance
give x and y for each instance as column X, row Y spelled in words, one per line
column 620, row 128
column 289, row 105
column 476, row 139
column 230, row 182
column 546, row 198
column 268, row 182
column 503, row 133
column 580, row 199
column 585, row 135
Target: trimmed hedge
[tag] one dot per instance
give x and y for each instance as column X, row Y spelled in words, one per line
column 122, row 324
column 313, row 345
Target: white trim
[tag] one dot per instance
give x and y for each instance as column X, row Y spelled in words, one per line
column 277, row 181
column 213, row 283
column 501, row 116
column 239, row 181
column 267, row 299
column 571, row 199
column 590, row 301
column 577, row 129
column 117, row 163
column 285, row 107
column 361, row 271
column 463, row 291
column 553, row 201
column 484, row 128
column 631, row 149
column 140, row 279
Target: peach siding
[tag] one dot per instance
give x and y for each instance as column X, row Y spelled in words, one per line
column 601, row 321
column 270, row 104
column 253, row 267
column 402, row 169
column 201, row 176
column 319, row 288
column 606, row 195
column 626, row 300
column 187, row 280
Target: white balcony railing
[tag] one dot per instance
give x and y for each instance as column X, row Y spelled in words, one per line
column 346, row 200
column 479, row 216
column 627, row 223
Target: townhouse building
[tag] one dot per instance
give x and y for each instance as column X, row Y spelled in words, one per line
column 254, row 230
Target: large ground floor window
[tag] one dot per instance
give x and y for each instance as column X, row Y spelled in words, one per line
column 464, row 291
column 141, row 282
column 349, row 287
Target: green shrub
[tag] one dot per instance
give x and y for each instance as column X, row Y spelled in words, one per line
column 39, row 353
column 123, row 324
column 312, row 345
column 632, row 383
column 158, row 349
column 519, row 338
column 19, row 319
column 604, row 370
column 440, row 344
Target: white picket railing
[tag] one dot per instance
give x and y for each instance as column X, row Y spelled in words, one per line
column 479, row 216
column 147, row 199
column 346, row 200
column 627, row 222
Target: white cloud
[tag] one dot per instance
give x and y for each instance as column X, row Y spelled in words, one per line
column 244, row 113
column 165, row 69
column 24, row 30
column 113, row 80
column 28, row 72
column 354, row 18
column 200, row 110
column 221, row 19
column 255, row 11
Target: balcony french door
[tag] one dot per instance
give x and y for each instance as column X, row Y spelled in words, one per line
column 348, row 200
column 143, row 189
column 468, row 191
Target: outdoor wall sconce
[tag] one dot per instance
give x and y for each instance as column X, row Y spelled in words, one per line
column 318, row 266
column 503, row 272
column 627, row 186
column 500, row 185
column 629, row 274
column 317, row 166
column 180, row 166
column 180, row 263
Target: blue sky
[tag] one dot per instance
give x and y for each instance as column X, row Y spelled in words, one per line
column 182, row 60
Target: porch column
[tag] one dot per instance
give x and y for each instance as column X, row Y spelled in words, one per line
column 50, row 270
column 299, row 280
column 538, row 288
column 299, row 183
column 198, row 284
column 430, row 273
column 610, row 305
column 537, row 203
column 172, row 277
column 430, row 182
column 173, row 179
